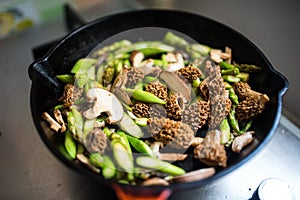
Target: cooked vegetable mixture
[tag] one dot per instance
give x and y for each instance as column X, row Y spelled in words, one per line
column 134, row 112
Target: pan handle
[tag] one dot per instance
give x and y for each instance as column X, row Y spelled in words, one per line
column 123, row 194
column 41, row 72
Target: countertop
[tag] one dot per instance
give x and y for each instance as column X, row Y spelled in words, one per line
column 28, row 170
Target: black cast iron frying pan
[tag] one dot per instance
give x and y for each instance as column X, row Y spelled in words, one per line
column 46, row 89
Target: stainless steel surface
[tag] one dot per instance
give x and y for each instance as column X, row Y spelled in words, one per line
column 29, row 171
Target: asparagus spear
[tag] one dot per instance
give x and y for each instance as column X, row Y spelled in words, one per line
column 122, row 156
column 157, row 164
column 70, row 144
column 140, row 146
column 225, row 130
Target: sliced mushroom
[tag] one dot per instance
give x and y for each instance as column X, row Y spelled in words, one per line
column 84, row 160
column 59, row 118
column 241, row 141
column 217, row 55
column 120, row 80
column 104, row 101
column 196, row 175
column 196, row 141
column 155, row 146
column 122, row 95
column 177, row 62
column 155, row 181
column 176, row 84
column 53, row 124
column 136, row 58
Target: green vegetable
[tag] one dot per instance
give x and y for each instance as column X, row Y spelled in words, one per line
column 172, row 39
column 247, row 67
column 243, row 76
column 108, row 169
column 124, row 140
column 247, row 126
column 88, row 126
column 149, row 79
column 66, row 78
column 122, row 156
column 61, row 148
column 231, row 78
column 233, row 96
column 226, row 65
column 225, row 130
column 108, row 75
column 233, row 121
column 157, row 164
column 128, row 125
column 147, row 97
column 234, row 71
column 78, row 122
column 140, row 146
column 141, row 121
column 96, row 159
column 107, row 132
column 70, row 144
column 196, row 82
column 148, row 48
column 82, row 65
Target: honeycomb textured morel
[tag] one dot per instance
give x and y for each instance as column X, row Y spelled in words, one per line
column 175, row 106
column 175, row 134
column 196, row 115
column 96, row 141
column 241, row 89
column 134, row 76
column 248, row 109
column 219, row 109
column 158, row 90
column 190, row 73
column 157, row 110
column 203, row 90
column 141, row 109
column 71, row 94
column 211, row 151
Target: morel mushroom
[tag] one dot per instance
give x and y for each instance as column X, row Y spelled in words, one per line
column 252, row 103
column 134, row 75
column 190, row 73
column 141, row 109
column 71, row 94
column 174, row 107
column 157, row 110
column 157, row 89
column 196, row 114
column 96, row 141
column 173, row 133
column 211, row 151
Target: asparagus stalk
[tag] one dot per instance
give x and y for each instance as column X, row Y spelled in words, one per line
column 233, row 121
column 157, row 164
column 225, row 130
column 122, row 156
column 140, row 146
column 70, row 144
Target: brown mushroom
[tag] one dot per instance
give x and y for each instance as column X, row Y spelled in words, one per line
column 196, row 115
column 241, row 141
column 84, row 160
column 155, row 146
column 158, row 89
column 217, row 55
column 136, row 58
column 175, row 134
column 190, row 73
column 176, row 62
column 251, row 104
column 155, row 181
column 96, row 141
column 103, row 101
column 71, row 94
column 60, row 120
column 141, row 109
column 195, row 175
column 176, row 84
column 53, row 124
column 211, row 151
column 174, row 106
column 134, row 75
